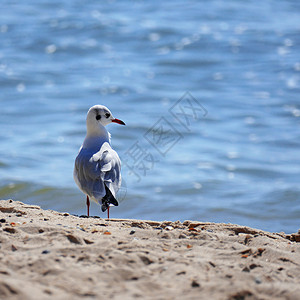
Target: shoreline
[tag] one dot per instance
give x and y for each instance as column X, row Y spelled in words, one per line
column 54, row 255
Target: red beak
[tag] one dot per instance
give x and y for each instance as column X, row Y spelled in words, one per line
column 118, row 121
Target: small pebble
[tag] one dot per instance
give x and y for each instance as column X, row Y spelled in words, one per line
column 2, row 220
column 9, row 229
column 195, row 284
column 169, row 228
column 46, row 252
column 253, row 266
column 132, row 232
column 181, row 273
column 134, row 278
column 258, row 281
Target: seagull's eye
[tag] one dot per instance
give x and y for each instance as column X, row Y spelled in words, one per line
column 107, row 115
column 98, row 117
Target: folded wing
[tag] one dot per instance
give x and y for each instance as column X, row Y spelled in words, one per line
column 95, row 170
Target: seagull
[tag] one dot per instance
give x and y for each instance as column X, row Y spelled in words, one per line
column 97, row 170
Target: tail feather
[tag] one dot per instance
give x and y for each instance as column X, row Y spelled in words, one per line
column 108, row 199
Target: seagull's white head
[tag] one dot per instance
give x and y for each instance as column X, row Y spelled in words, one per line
column 98, row 116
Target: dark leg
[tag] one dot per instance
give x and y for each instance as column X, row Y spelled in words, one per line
column 108, row 212
column 88, row 205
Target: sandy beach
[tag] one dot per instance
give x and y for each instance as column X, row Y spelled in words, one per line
column 51, row 255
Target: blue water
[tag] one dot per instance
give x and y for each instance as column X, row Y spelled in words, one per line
column 234, row 159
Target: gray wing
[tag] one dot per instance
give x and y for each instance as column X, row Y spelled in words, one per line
column 93, row 170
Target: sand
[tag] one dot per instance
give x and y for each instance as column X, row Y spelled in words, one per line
column 45, row 254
